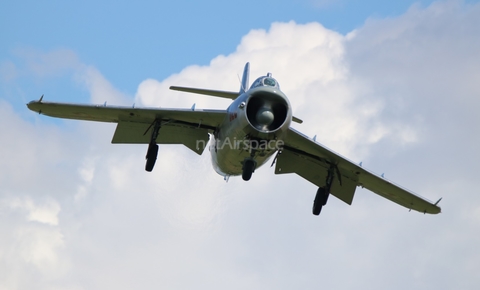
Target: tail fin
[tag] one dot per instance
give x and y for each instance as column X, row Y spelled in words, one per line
column 246, row 73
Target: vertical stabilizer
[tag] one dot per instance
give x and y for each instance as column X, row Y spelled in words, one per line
column 246, row 73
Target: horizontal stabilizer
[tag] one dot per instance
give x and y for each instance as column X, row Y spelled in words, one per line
column 297, row 120
column 214, row 93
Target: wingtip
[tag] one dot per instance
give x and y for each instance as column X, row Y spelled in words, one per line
column 34, row 105
column 436, row 204
column 437, row 210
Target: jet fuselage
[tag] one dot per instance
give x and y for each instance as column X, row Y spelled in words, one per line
column 254, row 128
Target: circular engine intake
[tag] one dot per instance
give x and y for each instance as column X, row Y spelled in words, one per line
column 267, row 112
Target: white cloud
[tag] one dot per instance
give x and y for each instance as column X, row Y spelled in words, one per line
column 39, row 247
column 399, row 93
column 32, row 245
column 307, row 60
column 100, row 89
column 46, row 213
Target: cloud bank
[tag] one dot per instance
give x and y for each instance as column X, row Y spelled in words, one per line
column 399, row 94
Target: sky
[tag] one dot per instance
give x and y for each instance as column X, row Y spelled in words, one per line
column 391, row 85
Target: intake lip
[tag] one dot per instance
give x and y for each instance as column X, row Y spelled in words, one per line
column 266, row 110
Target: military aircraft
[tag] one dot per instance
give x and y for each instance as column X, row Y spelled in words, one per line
column 255, row 127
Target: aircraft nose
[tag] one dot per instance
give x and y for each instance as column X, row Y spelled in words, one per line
column 265, row 116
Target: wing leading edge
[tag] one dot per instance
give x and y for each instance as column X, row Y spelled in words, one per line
column 311, row 160
column 134, row 125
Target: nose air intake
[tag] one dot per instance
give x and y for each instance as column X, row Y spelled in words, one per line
column 266, row 112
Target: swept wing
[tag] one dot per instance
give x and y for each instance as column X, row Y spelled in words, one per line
column 134, row 125
column 311, row 160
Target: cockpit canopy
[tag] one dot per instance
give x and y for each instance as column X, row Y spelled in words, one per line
column 267, row 81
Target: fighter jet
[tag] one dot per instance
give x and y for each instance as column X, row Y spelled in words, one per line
column 253, row 129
